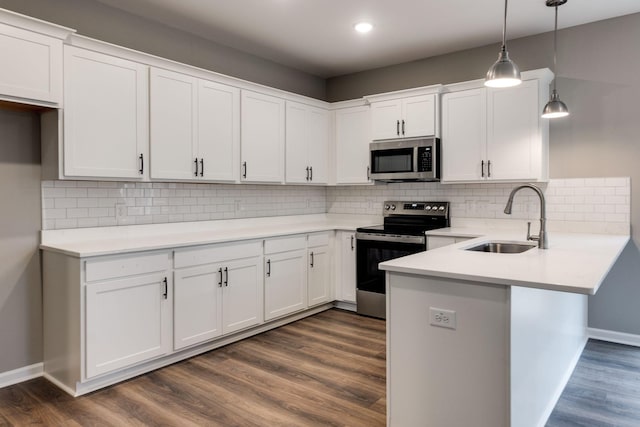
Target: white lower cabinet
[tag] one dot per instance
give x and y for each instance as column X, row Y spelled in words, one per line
column 127, row 311
column 218, row 292
column 319, row 283
column 285, row 283
column 346, row 266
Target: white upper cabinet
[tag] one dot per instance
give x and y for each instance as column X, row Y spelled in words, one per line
column 31, row 72
column 404, row 118
column 218, row 131
column 307, row 144
column 194, row 128
column 352, row 136
column 262, row 137
column 172, row 124
column 495, row 134
column 105, row 116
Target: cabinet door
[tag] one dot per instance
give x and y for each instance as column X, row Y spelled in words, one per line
column 298, row 136
column 418, row 116
column 218, row 131
column 347, row 271
column 285, row 284
column 318, row 145
column 32, row 68
column 197, row 307
column 262, row 137
column 127, row 321
column 172, row 111
column 386, row 119
column 464, row 135
column 242, row 294
column 352, row 139
column 105, row 116
column 319, row 284
column 513, row 138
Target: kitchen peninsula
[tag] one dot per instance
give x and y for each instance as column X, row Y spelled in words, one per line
column 489, row 339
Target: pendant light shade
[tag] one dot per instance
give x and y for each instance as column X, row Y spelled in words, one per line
column 555, row 108
column 504, row 72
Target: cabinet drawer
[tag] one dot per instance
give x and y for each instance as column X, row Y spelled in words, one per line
column 283, row 244
column 216, row 253
column 318, row 239
column 125, row 265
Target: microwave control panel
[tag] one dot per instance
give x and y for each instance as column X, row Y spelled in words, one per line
column 425, row 159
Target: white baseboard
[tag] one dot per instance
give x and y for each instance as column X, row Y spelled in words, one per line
column 21, row 374
column 613, row 336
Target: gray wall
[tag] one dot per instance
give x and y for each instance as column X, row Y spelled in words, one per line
column 112, row 25
column 20, row 283
column 599, row 79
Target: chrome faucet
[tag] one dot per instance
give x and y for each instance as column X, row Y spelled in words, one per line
column 541, row 238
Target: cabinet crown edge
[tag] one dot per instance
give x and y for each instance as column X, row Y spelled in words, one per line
column 35, row 25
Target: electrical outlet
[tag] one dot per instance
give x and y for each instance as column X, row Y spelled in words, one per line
column 121, row 213
column 443, row 318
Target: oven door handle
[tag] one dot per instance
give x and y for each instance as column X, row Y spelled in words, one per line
column 391, row 238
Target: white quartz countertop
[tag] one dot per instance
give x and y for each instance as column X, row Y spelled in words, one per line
column 574, row 262
column 87, row 242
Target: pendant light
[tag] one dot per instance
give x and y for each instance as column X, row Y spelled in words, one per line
column 504, row 72
column 555, row 108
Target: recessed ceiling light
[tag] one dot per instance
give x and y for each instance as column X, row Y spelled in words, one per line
column 363, row 27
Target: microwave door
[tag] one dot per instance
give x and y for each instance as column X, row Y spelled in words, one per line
column 401, row 160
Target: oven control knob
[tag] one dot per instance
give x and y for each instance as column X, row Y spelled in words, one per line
column 387, row 207
column 393, row 207
column 441, row 208
column 427, row 208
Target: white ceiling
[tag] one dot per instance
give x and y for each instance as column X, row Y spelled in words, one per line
column 317, row 36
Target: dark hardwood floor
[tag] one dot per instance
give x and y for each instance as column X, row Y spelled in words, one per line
column 604, row 389
column 325, row 370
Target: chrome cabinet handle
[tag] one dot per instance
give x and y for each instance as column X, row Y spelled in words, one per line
column 397, row 127
column 196, row 163
column 166, row 288
column 310, row 173
column 244, row 166
column 352, row 248
column 368, row 172
column 403, row 127
column 268, row 268
column 311, row 259
column 201, row 167
column 489, row 169
column 482, row 169
column 307, row 173
column 220, row 281
column 226, row 276
column 141, row 170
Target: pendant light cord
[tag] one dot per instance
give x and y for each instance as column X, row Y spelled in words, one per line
column 504, row 27
column 555, row 49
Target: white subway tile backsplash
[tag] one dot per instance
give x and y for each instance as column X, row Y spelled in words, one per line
column 581, row 201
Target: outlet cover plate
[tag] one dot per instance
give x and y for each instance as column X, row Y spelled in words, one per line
column 442, row 318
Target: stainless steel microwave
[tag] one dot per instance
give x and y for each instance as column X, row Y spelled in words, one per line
column 410, row 159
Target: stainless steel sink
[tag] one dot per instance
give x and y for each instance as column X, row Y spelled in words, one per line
column 502, row 247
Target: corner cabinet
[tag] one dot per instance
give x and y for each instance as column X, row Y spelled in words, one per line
column 262, row 137
column 105, row 116
column 307, row 144
column 352, row 136
column 194, row 128
column 496, row 134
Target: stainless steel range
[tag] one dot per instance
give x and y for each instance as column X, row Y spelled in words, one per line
column 401, row 234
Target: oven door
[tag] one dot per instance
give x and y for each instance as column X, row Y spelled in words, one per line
column 371, row 250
